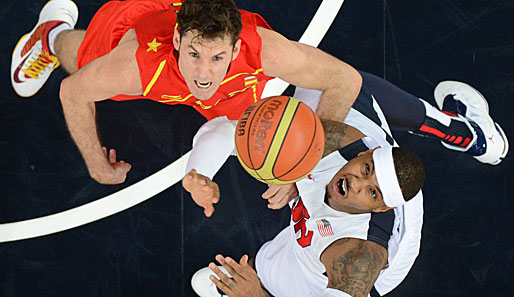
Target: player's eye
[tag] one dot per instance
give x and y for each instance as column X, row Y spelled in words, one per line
column 193, row 54
column 373, row 193
column 367, row 169
column 217, row 58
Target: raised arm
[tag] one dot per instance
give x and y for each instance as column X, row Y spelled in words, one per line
column 212, row 145
column 110, row 75
column 311, row 68
column 353, row 265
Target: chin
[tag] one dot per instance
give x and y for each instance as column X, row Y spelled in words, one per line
column 200, row 95
column 203, row 97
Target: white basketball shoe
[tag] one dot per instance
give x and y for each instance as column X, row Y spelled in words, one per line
column 456, row 97
column 32, row 60
column 203, row 286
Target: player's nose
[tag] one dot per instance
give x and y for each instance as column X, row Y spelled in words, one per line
column 203, row 69
column 356, row 184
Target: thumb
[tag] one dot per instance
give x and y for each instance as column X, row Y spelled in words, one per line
column 209, row 210
column 244, row 260
column 270, row 192
column 215, row 199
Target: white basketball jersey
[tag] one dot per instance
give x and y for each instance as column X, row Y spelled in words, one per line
column 290, row 265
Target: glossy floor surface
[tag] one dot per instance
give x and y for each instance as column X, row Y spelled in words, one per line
column 153, row 248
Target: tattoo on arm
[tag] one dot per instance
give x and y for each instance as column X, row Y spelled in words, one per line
column 356, row 270
column 334, row 135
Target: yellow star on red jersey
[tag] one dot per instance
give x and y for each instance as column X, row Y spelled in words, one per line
column 152, row 46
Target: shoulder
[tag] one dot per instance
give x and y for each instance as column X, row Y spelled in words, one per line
column 118, row 71
column 125, row 52
column 122, row 61
column 353, row 265
column 107, row 76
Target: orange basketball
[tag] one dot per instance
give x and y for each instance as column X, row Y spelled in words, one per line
column 279, row 140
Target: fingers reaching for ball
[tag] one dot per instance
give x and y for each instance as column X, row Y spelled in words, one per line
column 203, row 190
column 279, row 196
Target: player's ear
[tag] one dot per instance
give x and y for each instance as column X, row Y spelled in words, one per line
column 382, row 209
column 236, row 49
column 176, row 39
column 370, row 151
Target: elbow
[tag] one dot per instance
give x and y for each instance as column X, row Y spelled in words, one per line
column 70, row 94
column 357, row 78
column 352, row 79
column 65, row 91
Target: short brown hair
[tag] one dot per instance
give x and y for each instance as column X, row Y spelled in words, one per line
column 409, row 171
column 210, row 18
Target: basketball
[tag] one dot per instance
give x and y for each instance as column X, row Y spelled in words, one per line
column 279, row 140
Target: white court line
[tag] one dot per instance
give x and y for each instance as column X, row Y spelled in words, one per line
column 98, row 209
column 162, row 179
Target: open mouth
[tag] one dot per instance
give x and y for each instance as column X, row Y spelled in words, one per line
column 342, row 186
column 203, row 85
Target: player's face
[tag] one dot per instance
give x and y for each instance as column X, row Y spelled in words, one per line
column 204, row 63
column 354, row 188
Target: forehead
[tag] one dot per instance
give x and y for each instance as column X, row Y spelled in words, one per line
column 191, row 38
column 361, row 160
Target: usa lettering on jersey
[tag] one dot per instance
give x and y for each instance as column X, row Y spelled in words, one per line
column 299, row 216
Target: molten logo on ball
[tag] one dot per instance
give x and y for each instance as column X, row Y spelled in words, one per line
column 242, row 120
column 279, row 140
column 265, row 123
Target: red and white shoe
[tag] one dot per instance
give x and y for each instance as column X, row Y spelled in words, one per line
column 32, row 60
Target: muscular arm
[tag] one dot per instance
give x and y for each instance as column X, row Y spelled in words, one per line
column 311, row 68
column 353, row 265
column 110, row 75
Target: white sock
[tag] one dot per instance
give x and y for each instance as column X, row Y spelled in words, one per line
column 54, row 32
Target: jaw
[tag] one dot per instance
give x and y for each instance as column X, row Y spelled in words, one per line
column 338, row 206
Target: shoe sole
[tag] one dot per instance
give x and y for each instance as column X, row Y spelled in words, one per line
column 13, row 67
column 505, row 140
column 505, row 147
column 442, row 90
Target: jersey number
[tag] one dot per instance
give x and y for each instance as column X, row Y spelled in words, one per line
column 300, row 214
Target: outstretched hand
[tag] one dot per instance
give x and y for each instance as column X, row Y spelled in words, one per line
column 244, row 281
column 116, row 173
column 204, row 191
column 279, row 195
